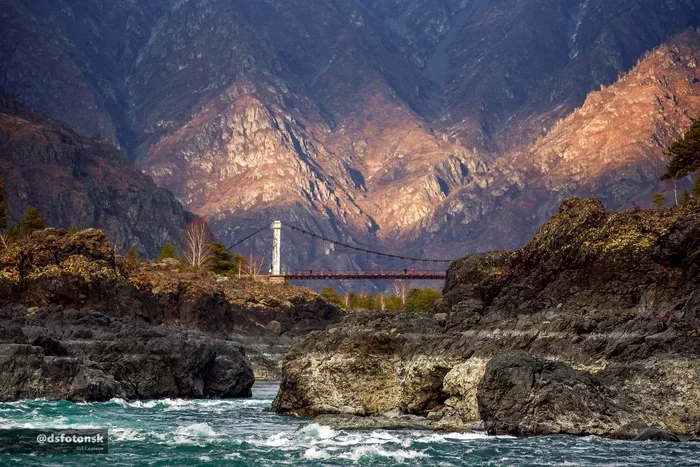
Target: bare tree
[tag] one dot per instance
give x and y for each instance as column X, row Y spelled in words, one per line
column 381, row 301
column 4, row 243
column 254, row 265
column 400, row 289
column 197, row 239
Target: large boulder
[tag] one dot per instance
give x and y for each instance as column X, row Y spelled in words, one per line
column 523, row 395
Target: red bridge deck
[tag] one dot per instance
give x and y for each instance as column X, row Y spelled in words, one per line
column 350, row 275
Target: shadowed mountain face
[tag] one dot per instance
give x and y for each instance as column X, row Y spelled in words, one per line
column 82, row 182
column 405, row 122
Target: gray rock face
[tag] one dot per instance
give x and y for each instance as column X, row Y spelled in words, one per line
column 655, row 434
column 83, row 182
column 522, row 395
column 86, row 356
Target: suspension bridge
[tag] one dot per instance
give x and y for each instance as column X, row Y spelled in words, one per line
column 388, row 266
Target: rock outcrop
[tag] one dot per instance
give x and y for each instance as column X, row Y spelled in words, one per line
column 605, row 303
column 81, row 271
column 60, row 353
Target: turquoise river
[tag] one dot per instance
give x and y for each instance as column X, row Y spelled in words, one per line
column 174, row 432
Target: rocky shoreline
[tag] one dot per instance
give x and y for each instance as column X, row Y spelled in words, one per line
column 81, row 323
column 595, row 325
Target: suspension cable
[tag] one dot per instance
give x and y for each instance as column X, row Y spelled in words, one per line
column 248, row 237
column 364, row 250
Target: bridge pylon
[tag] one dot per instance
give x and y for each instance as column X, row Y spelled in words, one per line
column 276, row 227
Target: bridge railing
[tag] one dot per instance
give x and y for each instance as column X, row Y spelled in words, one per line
column 400, row 274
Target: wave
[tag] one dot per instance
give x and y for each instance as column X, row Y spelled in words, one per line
column 314, row 430
column 372, row 452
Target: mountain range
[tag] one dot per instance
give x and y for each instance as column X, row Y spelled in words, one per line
column 435, row 127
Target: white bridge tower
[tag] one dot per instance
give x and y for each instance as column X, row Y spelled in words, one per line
column 276, row 248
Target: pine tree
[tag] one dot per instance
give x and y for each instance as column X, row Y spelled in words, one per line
column 131, row 256
column 168, row 251
column 73, row 230
column 32, row 221
column 684, row 154
column 4, row 218
column 222, row 261
column 13, row 235
column 696, row 186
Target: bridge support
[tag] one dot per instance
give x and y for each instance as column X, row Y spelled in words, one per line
column 276, row 248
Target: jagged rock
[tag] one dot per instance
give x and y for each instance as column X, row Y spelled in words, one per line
column 403, row 149
column 522, row 395
column 87, row 356
column 656, row 434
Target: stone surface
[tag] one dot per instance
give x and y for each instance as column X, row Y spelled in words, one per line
column 522, row 395
column 655, row 434
column 60, row 353
column 604, row 303
column 83, row 182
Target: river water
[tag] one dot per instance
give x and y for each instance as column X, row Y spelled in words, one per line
column 173, row 432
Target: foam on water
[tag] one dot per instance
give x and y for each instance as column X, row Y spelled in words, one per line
column 371, row 452
column 239, row 432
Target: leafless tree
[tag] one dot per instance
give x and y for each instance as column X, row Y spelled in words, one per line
column 197, row 239
column 254, row 265
column 3, row 242
column 381, row 301
column 400, row 289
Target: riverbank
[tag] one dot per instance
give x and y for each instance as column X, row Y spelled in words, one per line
column 612, row 297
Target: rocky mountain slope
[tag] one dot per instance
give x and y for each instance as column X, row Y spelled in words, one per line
column 381, row 120
column 83, row 182
column 611, row 148
column 612, row 294
column 53, row 269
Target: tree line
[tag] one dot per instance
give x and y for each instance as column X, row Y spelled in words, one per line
column 400, row 298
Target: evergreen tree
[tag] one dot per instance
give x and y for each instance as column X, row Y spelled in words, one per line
column 684, row 154
column 13, row 235
column 73, row 230
column 696, row 186
column 330, row 295
column 132, row 256
column 223, row 262
column 4, row 218
column 32, row 221
column 659, row 200
column 168, row 251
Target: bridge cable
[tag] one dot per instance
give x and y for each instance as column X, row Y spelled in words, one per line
column 248, row 237
column 363, row 250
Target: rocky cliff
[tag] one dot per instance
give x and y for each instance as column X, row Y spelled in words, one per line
column 608, row 299
column 413, row 123
column 83, row 182
column 53, row 268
